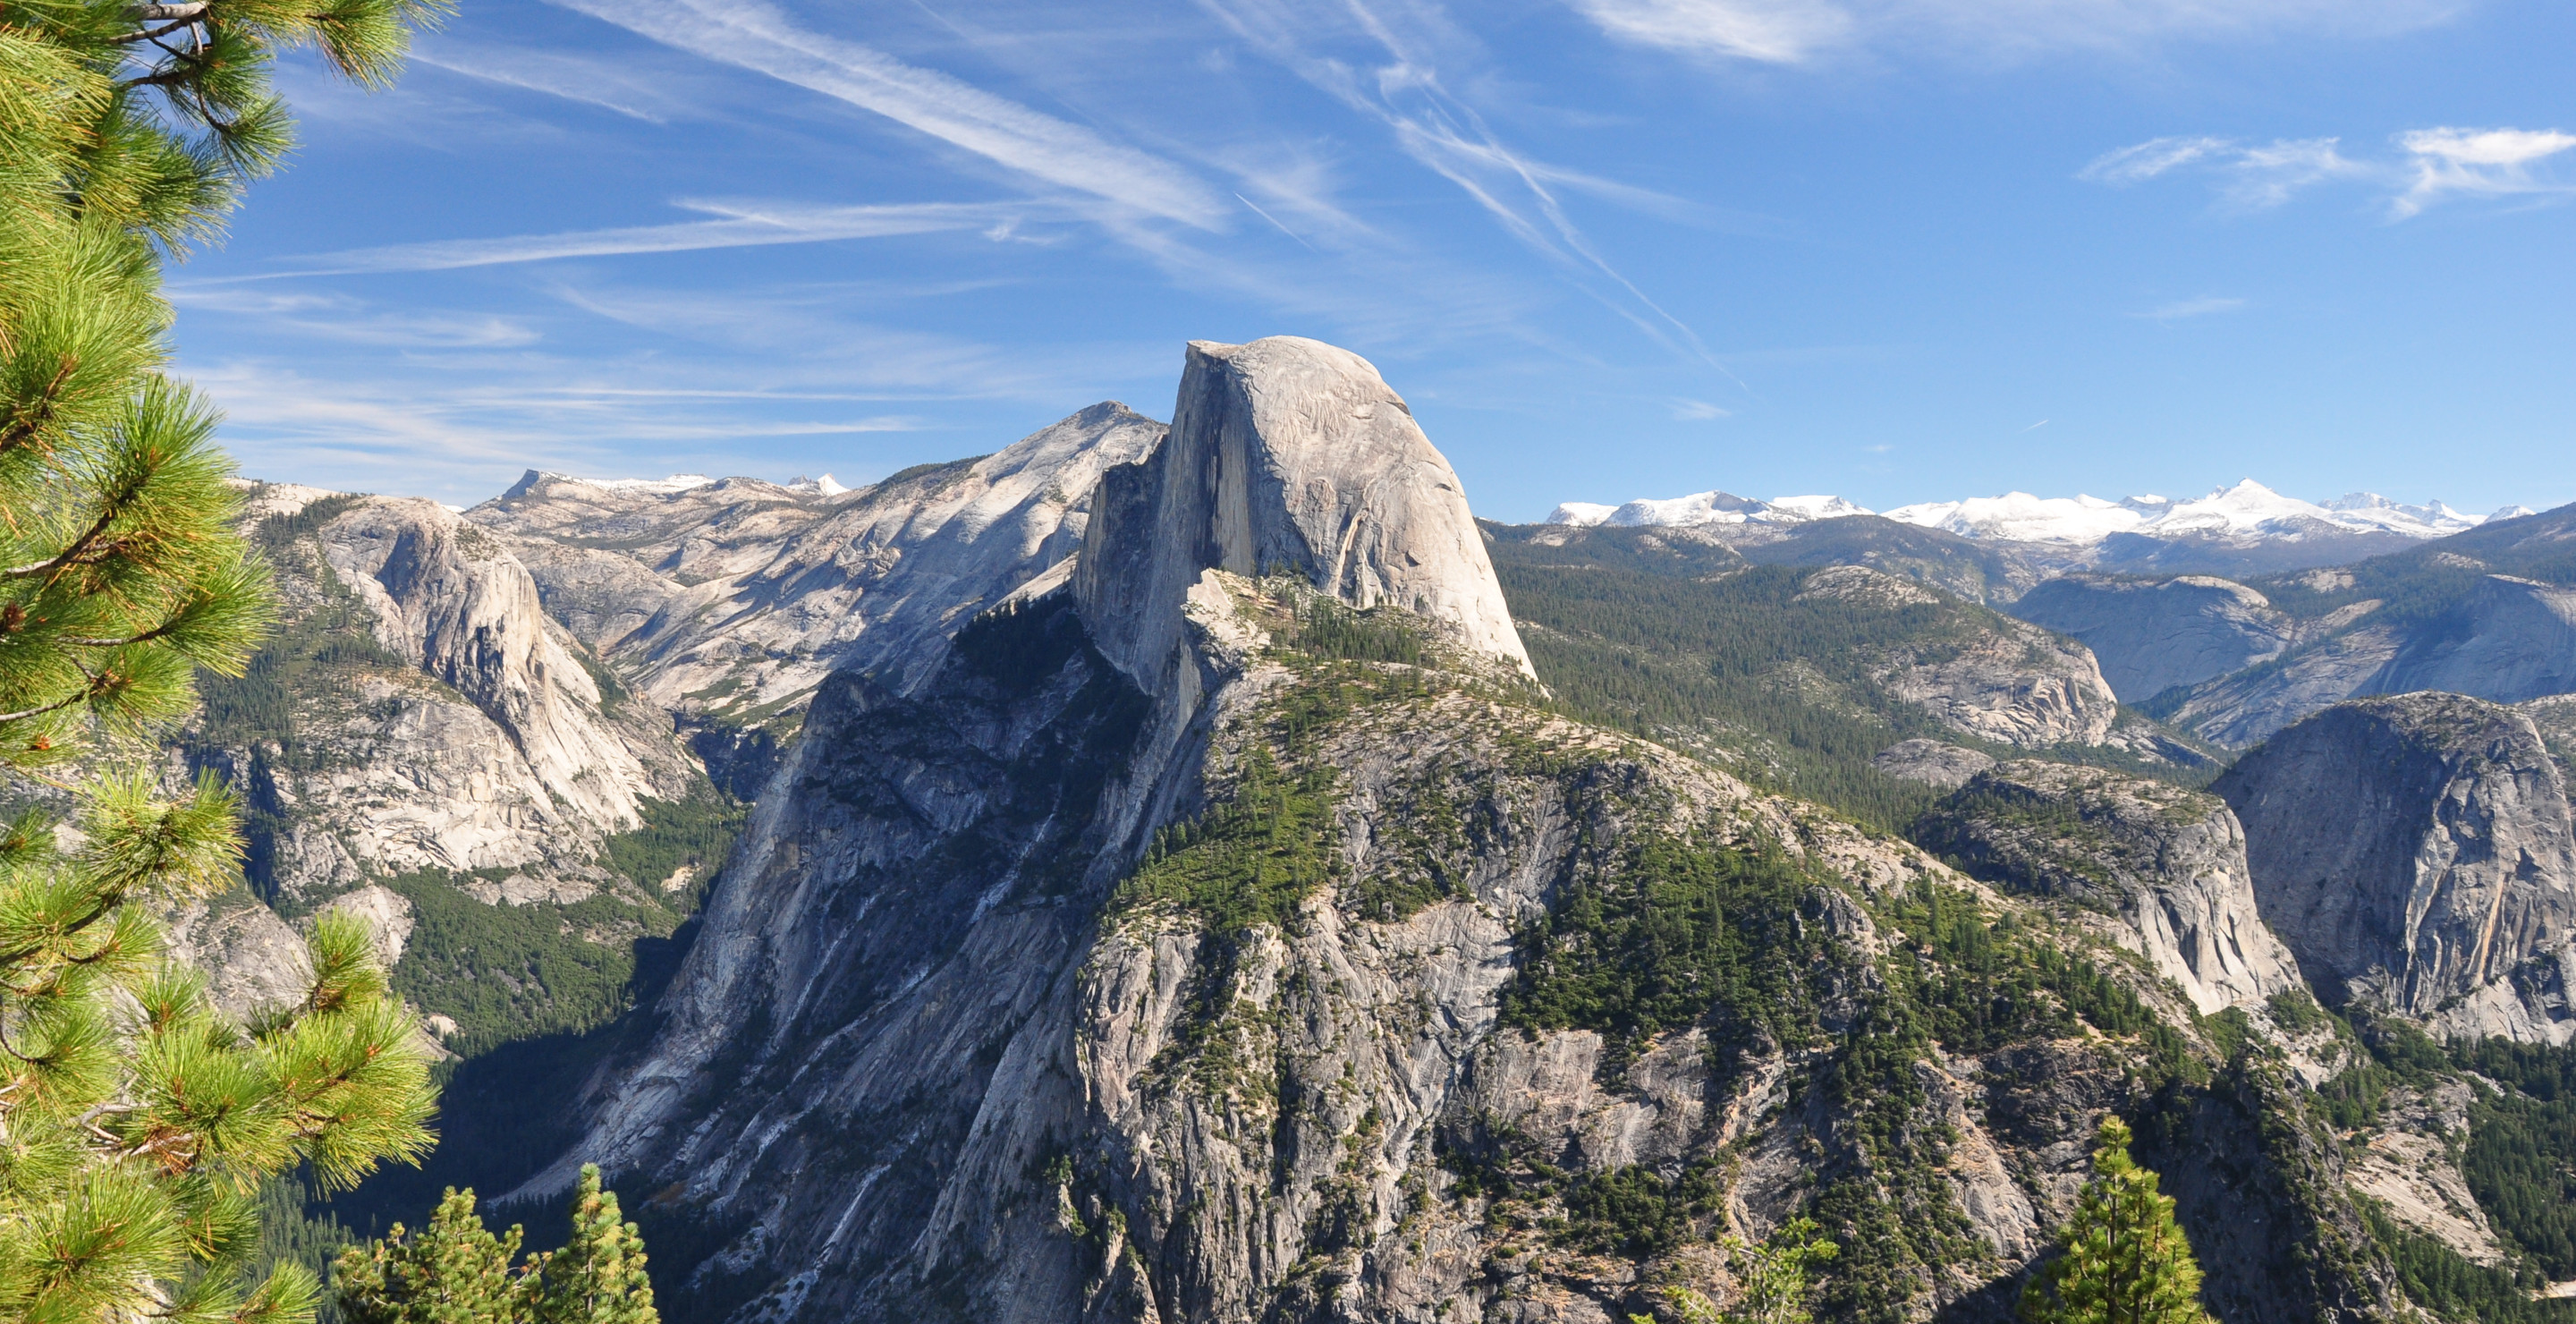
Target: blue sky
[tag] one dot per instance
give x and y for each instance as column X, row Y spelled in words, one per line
column 1898, row 250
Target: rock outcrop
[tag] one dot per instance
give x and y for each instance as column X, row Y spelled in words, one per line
column 2168, row 862
column 2513, row 639
column 1162, row 956
column 1287, row 456
column 2506, row 639
column 2015, row 684
column 2416, row 851
column 736, row 597
column 1946, row 766
column 2241, row 710
column 2150, row 636
column 421, row 711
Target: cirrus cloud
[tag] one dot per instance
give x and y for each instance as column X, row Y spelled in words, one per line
column 1797, row 31
column 2486, row 162
column 2436, row 163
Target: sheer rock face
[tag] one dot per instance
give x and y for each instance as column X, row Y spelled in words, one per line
column 450, row 599
column 913, row 1001
column 919, row 1053
column 472, row 735
column 2150, row 637
column 2416, row 850
column 2169, row 862
column 2240, row 711
column 1287, row 454
column 2508, row 640
column 738, row 595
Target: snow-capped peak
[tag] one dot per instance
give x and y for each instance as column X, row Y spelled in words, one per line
column 2025, row 518
column 674, row 483
column 1705, row 508
column 2248, row 510
column 823, row 486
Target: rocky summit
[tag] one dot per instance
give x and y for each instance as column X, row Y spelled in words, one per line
column 1199, row 872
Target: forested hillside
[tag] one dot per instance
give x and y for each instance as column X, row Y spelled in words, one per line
column 1683, row 640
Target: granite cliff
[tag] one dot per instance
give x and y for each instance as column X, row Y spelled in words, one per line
column 1232, row 934
column 2151, row 636
column 735, row 597
column 420, row 711
column 2168, row 864
column 2416, row 852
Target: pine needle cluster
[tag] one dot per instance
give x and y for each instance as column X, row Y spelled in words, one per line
column 455, row 1271
column 137, row 1121
column 127, row 132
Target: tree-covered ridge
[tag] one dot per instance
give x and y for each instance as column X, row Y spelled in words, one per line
column 1683, row 934
column 1743, row 665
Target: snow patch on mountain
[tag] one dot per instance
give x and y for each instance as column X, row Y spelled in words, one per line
column 1705, row 508
column 2247, row 511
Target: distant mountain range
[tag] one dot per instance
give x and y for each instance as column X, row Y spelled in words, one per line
column 2247, row 512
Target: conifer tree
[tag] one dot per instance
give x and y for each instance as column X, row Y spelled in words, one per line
column 2125, row 1260
column 136, row 1121
column 451, row 1272
column 1771, row 1276
column 455, row 1272
column 598, row 1277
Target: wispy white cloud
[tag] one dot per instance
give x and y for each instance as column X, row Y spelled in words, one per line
column 1790, row 32
column 2272, row 173
column 1698, row 411
column 345, row 319
column 2146, row 160
column 2183, row 308
column 735, row 225
column 2480, row 162
column 2434, row 164
column 2249, row 175
column 1384, row 62
column 1771, row 31
column 755, row 35
column 576, row 78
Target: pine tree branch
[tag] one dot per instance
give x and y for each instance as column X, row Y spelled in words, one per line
column 25, row 713
column 154, row 35
column 30, row 424
column 165, row 78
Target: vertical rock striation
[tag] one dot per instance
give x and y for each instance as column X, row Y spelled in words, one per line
column 1162, row 956
column 1287, row 455
column 2416, row 850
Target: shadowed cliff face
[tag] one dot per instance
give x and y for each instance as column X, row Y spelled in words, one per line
column 2496, row 637
column 2514, row 639
column 1287, row 455
column 2417, row 851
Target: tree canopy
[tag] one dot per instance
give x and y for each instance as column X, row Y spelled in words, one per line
column 138, row 1121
